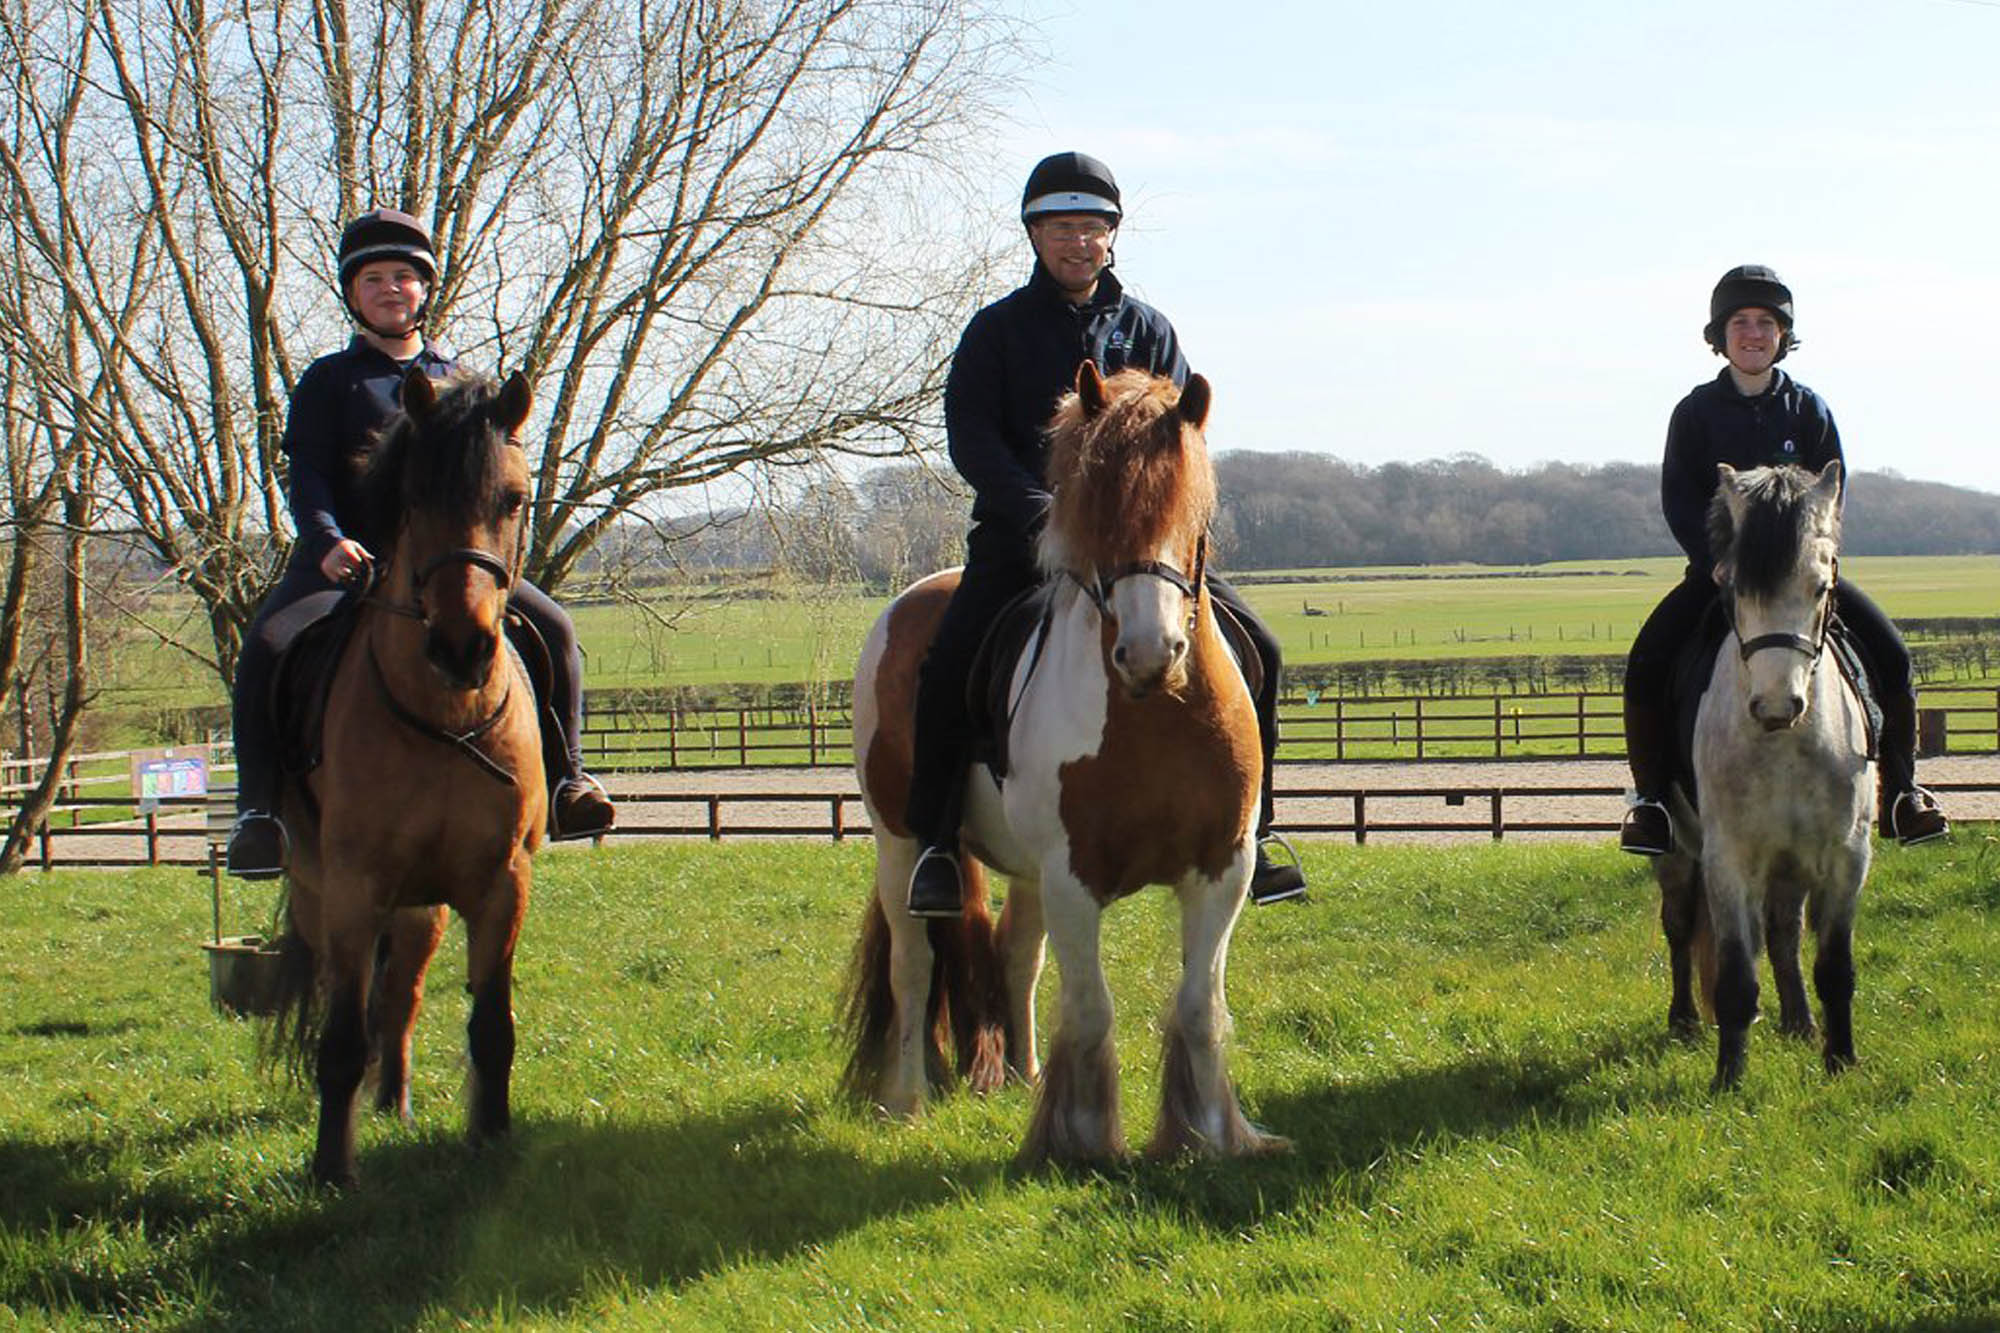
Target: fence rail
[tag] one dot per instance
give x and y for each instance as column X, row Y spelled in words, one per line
column 184, row 831
column 1523, row 726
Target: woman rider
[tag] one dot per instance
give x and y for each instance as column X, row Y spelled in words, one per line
column 387, row 273
column 1752, row 415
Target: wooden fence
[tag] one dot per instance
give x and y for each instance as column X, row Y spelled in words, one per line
column 188, row 831
column 1528, row 726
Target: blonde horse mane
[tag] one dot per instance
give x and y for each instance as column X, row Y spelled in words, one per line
column 1129, row 468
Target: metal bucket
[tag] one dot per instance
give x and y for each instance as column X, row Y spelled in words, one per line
column 242, row 975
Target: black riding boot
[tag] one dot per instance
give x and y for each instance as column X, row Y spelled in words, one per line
column 1273, row 881
column 1909, row 814
column 1647, row 831
column 934, row 811
column 257, row 841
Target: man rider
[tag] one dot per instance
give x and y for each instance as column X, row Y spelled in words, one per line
column 1014, row 361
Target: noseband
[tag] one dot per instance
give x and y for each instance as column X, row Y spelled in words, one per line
column 1098, row 587
column 1811, row 647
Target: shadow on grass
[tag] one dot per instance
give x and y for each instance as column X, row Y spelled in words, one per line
column 1348, row 1138
column 533, row 1224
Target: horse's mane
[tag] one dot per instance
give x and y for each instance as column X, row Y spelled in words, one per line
column 1126, row 480
column 441, row 464
column 1778, row 521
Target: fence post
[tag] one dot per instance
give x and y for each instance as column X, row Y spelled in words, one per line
column 838, row 804
column 1420, row 726
column 812, row 742
column 715, row 819
column 743, row 737
column 673, row 736
column 152, row 837
column 47, row 860
column 1340, row 725
column 1499, row 825
column 1579, row 723
column 1360, row 818
column 1496, row 726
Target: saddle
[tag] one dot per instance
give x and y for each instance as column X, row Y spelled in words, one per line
column 1022, row 628
column 312, row 635
column 1694, row 666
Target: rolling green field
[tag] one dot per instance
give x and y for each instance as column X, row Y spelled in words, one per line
column 771, row 634
column 1467, row 1045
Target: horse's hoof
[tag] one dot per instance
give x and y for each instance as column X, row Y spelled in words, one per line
column 1684, row 1027
column 1726, row 1080
column 1805, row 1031
column 1838, row 1062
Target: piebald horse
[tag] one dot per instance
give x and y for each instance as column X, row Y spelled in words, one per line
column 430, row 790
column 1785, row 781
column 1133, row 759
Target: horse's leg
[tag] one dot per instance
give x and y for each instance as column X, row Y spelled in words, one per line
column 1833, row 971
column 1199, row 1111
column 1022, row 940
column 343, row 1042
column 1784, row 906
column 1076, row 1117
column 1680, row 904
column 1735, row 921
column 913, row 1044
column 395, row 998
column 492, row 929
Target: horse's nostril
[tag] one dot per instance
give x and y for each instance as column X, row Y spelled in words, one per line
column 1118, row 655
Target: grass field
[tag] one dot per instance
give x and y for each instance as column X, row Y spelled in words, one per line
column 785, row 634
column 1466, row 1044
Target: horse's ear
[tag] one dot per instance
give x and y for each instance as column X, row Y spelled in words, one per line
column 516, row 397
column 1090, row 388
column 419, row 393
column 1195, row 401
column 1827, row 486
column 1726, row 474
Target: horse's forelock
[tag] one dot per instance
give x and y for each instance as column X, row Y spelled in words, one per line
column 1778, row 521
column 1128, row 479
column 442, row 462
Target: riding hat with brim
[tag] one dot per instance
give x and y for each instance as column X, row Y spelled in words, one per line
column 385, row 233
column 1070, row 183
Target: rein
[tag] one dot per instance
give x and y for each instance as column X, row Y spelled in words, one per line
column 462, row 741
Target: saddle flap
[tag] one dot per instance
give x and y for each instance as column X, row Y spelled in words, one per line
column 992, row 675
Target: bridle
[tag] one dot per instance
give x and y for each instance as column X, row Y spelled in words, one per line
column 1813, row 646
column 1097, row 587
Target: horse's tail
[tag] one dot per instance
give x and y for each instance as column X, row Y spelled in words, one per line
column 967, row 1000
column 969, row 985
column 1701, row 947
column 869, row 1011
column 290, row 1037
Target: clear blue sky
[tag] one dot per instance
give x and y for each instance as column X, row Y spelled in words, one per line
column 1414, row 228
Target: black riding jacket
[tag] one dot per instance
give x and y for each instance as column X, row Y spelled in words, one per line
column 1787, row 423
column 1015, row 361
column 338, row 406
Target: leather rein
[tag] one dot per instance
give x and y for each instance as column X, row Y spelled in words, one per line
column 461, row 741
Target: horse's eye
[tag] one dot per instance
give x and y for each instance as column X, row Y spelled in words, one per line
column 512, row 503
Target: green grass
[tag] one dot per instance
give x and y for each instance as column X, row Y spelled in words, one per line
column 785, row 633
column 1466, row 1044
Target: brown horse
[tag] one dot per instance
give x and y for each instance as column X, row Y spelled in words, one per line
column 430, row 791
column 1133, row 759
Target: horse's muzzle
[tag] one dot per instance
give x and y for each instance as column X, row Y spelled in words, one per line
column 1781, row 717
column 466, row 662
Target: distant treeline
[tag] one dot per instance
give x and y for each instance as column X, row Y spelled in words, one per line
column 1308, row 511
column 1298, row 511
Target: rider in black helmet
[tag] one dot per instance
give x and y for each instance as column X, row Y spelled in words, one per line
column 387, row 273
column 1750, row 415
column 1014, row 361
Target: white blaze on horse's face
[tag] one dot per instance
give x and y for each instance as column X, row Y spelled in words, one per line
column 1150, row 620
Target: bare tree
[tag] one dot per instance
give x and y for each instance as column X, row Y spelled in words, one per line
column 710, row 230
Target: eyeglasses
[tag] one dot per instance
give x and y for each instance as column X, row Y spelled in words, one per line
column 1091, row 230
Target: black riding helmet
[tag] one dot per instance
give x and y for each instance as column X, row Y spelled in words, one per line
column 1071, row 183
column 385, row 233
column 1744, row 286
